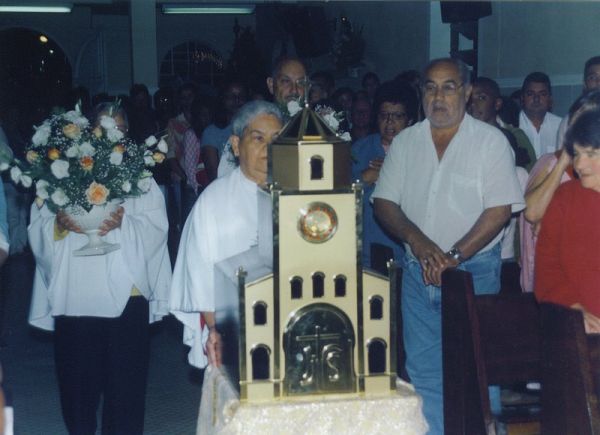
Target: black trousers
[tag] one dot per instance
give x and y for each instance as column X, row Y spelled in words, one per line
column 106, row 357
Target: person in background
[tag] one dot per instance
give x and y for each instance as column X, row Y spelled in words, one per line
column 192, row 162
column 567, row 260
column 287, row 81
column 550, row 171
column 446, row 189
column 222, row 223
column 370, row 82
column 322, row 85
column 142, row 118
column 361, row 119
column 395, row 108
column 175, row 129
column 215, row 136
column 100, row 306
column 536, row 118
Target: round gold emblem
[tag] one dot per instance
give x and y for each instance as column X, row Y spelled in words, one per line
column 317, row 222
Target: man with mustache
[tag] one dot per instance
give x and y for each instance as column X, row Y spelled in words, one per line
column 287, row 81
column 446, row 189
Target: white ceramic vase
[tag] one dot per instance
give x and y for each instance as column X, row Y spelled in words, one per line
column 89, row 222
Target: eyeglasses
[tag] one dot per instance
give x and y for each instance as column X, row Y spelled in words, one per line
column 447, row 89
column 393, row 116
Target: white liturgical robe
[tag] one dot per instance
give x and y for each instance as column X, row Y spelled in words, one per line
column 222, row 223
column 101, row 285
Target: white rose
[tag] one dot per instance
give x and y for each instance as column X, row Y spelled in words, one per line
column 293, row 107
column 114, row 134
column 60, row 169
column 26, row 180
column 346, row 136
column 144, row 184
column 162, row 146
column 116, row 158
column 4, row 166
column 41, row 135
column 15, row 174
column 86, row 149
column 72, row 151
column 108, row 123
column 150, row 140
column 149, row 161
column 332, row 121
column 59, row 197
column 76, row 118
column 126, row 186
column 41, row 189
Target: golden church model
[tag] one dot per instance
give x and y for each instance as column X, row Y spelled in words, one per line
column 305, row 318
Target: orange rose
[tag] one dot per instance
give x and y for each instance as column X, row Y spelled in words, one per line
column 97, row 193
column 53, row 154
column 72, row 131
column 32, row 156
column 119, row 149
column 97, row 132
column 87, row 163
column 158, row 157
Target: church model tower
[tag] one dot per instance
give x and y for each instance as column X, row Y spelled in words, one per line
column 318, row 324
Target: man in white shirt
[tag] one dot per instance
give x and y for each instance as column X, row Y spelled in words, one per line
column 445, row 189
column 535, row 119
column 223, row 223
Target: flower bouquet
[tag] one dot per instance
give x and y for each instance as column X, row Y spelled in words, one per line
column 85, row 171
column 328, row 114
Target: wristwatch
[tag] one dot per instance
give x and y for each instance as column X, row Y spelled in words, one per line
column 455, row 253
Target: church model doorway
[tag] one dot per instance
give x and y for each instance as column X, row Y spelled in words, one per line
column 319, row 352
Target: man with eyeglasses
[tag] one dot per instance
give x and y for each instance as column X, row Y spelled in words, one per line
column 536, row 119
column 446, row 189
column 287, row 81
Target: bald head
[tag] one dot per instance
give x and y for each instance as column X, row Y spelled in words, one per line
column 287, row 81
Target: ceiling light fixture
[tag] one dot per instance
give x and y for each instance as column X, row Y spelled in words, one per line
column 64, row 9
column 198, row 8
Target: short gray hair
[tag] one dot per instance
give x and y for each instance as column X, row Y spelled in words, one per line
column 463, row 69
column 251, row 110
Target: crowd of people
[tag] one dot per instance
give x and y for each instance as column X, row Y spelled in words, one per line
column 454, row 175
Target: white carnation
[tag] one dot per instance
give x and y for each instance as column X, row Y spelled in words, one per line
column 41, row 135
column 4, row 166
column 116, row 158
column 293, row 107
column 346, row 136
column 72, row 151
column 76, row 118
column 126, row 186
column 41, row 189
column 144, row 184
column 149, row 161
column 26, row 180
column 162, row 146
column 150, row 140
column 108, row 123
column 332, row 121
column 114, row 134
column 59, row 197
column 86, row 149
column 60, row 169
column 15, row 174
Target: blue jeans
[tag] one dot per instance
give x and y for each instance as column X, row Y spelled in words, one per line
column 422, row 326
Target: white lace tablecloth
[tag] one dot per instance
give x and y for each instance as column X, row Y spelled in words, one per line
column 222, row 413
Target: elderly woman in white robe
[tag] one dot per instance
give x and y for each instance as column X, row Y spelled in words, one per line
column 100, row 308
column 222, row 223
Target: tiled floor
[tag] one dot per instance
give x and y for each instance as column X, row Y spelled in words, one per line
column 173, row 394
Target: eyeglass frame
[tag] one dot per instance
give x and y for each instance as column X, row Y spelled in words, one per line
column 445, row 92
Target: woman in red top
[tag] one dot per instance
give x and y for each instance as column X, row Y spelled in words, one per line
column 567, row 262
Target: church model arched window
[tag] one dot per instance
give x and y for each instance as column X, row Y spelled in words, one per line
column 340, row 286
column 260, row 313
column 316, row 168
column 296, row 287
column 318, row 279
column 376, row 308
column 260, row 362
column 376, row 350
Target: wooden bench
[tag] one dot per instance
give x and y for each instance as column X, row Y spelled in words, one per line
column 486, row 340
column 570, row 367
